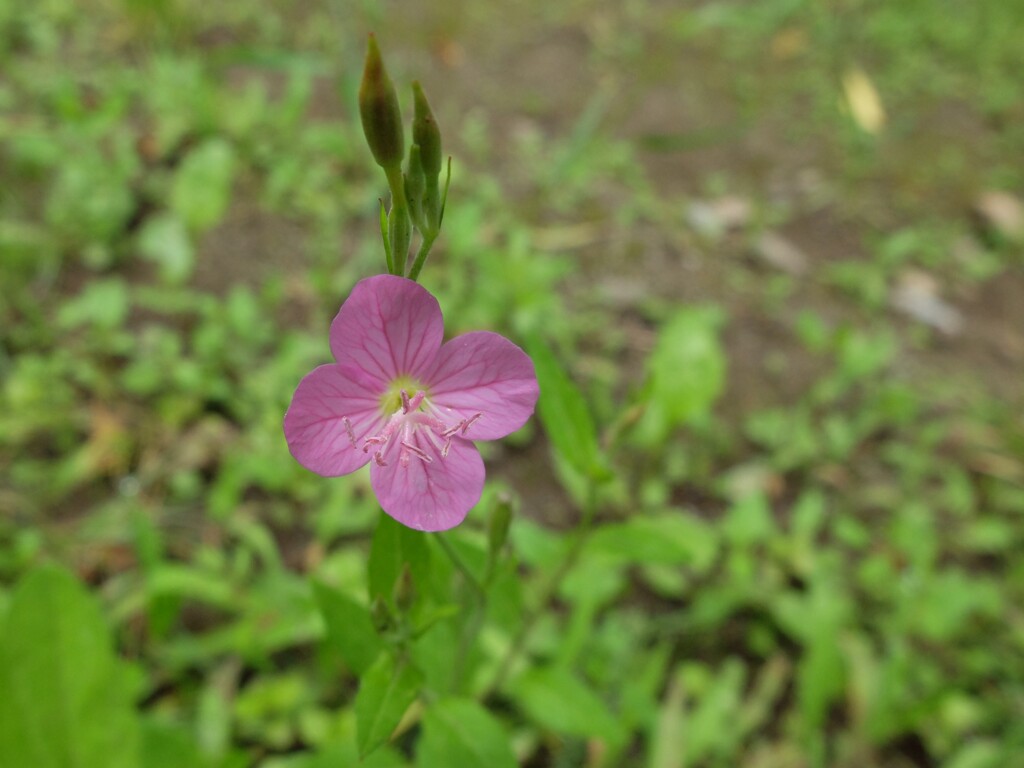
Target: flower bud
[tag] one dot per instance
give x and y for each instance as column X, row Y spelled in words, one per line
column 427, row 137
column 425, row 133
column 381, row 616
column 405, row 590
column 399, row 230
column 378, row 108
column 499, row 522
column 415, row 184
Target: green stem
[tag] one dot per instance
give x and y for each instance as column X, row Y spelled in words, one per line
column 471, row 628
column 581, row 534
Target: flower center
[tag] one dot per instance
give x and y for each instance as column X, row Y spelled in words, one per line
column 411, row 417
column 391, row 400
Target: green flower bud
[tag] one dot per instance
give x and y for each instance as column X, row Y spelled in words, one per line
column 381, row 616
column 378, row 108
column 499, row 522
column 425, row 133
column 399, row 229
column 415, row 184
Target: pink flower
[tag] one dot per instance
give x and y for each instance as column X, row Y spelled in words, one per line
column 399, row 398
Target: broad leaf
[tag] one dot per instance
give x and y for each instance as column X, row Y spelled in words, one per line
column 201, row 189
column 66, row 699
column 385, row 692
column 459, row 732
column 673, row 539
column 558, row 701
column 392, row 547
column 349, row 628
column 165, row 241
column 686, row 373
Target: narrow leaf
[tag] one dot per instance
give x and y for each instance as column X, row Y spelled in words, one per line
column 564, row 412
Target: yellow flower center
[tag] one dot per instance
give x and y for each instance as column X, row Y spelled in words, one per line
column 391, row 400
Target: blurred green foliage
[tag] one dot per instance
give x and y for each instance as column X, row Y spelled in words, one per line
column 763, row 518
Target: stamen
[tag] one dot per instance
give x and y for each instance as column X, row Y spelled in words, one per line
column 351, row 433
column 419, row 452
column 404, row 426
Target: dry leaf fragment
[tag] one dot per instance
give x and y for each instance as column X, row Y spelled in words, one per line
column 863, row 100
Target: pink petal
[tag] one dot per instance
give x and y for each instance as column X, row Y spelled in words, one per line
column 315, row 422
column 484, row 373
column 430, row 496
column 389, row 327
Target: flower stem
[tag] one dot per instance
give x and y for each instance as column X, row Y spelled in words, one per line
column 472, row 625
column 580, row 536
column 421, row 255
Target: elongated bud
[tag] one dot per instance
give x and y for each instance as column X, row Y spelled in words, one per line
column 425, row 133
column 399, row 229
column 415, row 184
column 498, row 525
column 378, row 108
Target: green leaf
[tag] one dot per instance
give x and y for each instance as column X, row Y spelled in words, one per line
column 563, row 410
column 103, row 303
column 66, row 699
column 711, row 728
column 394, row 545
column 349, row 628
column 459, row 732
column 560, row 702
column 338, row 755
column 385, row 692
column 164, row 240
column 201, row 189
column 685, row 373
column 170, row 745
column 674, row 539
column 749, row 521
